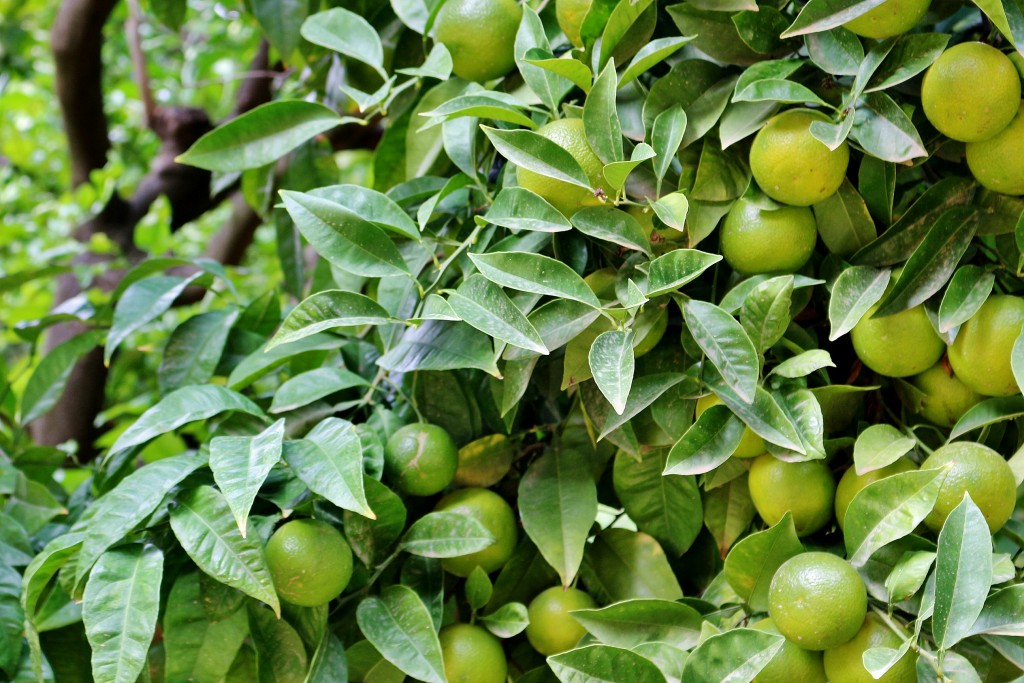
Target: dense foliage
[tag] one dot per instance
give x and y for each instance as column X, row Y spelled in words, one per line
column 667, row 425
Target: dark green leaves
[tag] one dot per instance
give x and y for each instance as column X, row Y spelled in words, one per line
column 399, row 626
column 604, row 663
column 534, row 152
column 446, row 534
column 534, row 273
column 485, row 306
column 737, row 655
column 260, row 136
column 240, row 464
column 328, row 310
column 120, row 608
column 330, row 462
column 726, row 344
column 709, row 442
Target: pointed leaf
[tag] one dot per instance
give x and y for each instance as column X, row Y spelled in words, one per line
column 399, row 626
column 240, row 464
column 726, row 344
column 446, row 534
column 536, row 153
column 534, row 273
column 855, row 291
column 963, row 573
column 752, row 562
column 671, row 271
column 485, row 306
column 603, row 663
column 141, row 303
column 709, row 442
column 328, row 310
column 330, row 462
column 611, row 363
column 735, row 655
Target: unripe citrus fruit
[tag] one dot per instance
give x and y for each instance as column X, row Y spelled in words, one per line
column 889, row 19
column 421, row 459
column 792, row 166
column 751, row 445
column 897, row 345
column 566, row 197
column 806, row 489
column 759, row 239
column 851, row 483
column 979, row 471
column 571, row 13
column 817, row 600
column 491, row 510
column 485, row 461
column 310, row 562
column 845, row 663
column 791, row 664
column 998, row 162
column 480, row 35
column 552, row 629
column 980, row 354
column 971, row 92
column 946, row 398
column 472, row 655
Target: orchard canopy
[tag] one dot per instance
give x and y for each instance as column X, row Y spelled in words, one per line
column 495, row 340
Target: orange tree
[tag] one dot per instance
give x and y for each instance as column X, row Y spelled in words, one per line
column 527, row 268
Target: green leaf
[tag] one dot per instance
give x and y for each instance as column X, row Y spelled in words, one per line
column 617, row 172
column 967, row 291
column 603, row 663
column 666, row 136
column 878, row 446
column 855, row 291
column 672, row 209
column 558, row 505
column 262, row 361
column 194, row 349
column 803, row 364
column 281, row 21
column 963, row 573
column 612, row 363
column 329, row 663
column 666, row 507
column 536, row 153
column 478, row 588
column 837, row 51
column 203, row 524
column 526, row 272
column 519, row 209
column 129, row 503
column 330, row 462
column 486, row 104
column 441, row 345
column 620, row 21
column 531, row 38
column 764, row 416
column 507, row 621
column 307, row 387
column 727, row 345
column 736, row 655
column 909, row 575
column 644, row 391
column 446, row 534
column 752, row 562
column 912, row 54
column 565, row 66
column 654, row 52
column 47, row 382
column 199, row 647
column 342, row 237
column 932, row 263
column 988, row 412
column 709, row 442
column 885, row 131
column 398, row 624
column 601, row 119
column 141, row 303
column 611, row 225
column 345, row 32
column 280, row 652
column 766, row 311
column 821, row 15
column 1003, row 613
column 120, row 608
column 180, row 407
column 260, row 136
column 240, row 465
column 631, row 623
column 371, row 206
column 671, row 271
column 485, row 306
column 728, row 511
column 844, row 223
column 621, row 565
column 889, row 509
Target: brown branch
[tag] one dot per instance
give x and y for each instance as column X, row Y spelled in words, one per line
column 139, row 62
column 77, row 42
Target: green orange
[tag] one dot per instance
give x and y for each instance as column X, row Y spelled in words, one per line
column 565, row 196
column 897, row 345
column 421, row 459
column 472, row 655
column 889, row 19
column 971, row 92
column 757, row 238
column 552, row 629
column 491, row 510
column 480, row 35
column 310, row 562
column 792, row 166
column 944, row 397
column 974, row 469
column 845, row 663
column 791, row 664
column 485, row 461
column 998, row 162
column 817, row 600
column 571, row 13
column 980, row 354
column 805, row 489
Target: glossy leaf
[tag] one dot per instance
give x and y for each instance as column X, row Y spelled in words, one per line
column 195, row 348
column 603, row 663
column 855, row 291
column 752, row 562
column 141, row 303
column 1003, row 613
column 600, row 118
column 507, row 621
column 203, row 524
column 198, row 646
column 485, row 306
column 623, row 565
column 307, row 387
column 536, row 153
column 446, row 534
column 844, row 223
column 47, row 382
column 878, row 446
column 345, row 32
column 611, row 225
column 630, row 623
column 612, row 363
column 441, row 345
column 398, row 624
column 709, row 442
column 736, row 655
column 520, row 209
column 534, row 273
column 671, row 271
column 260, row 136
column 240, row 464
column 963, row 573
column 727, row 345
column 558, row 505
column 989, row 411
column 968, row 289
column 330, row 462
column 328, row 310
column 666, row 507
column 120, row 608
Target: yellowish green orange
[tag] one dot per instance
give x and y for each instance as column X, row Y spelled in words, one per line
column 805, row 489
column 309, row 561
